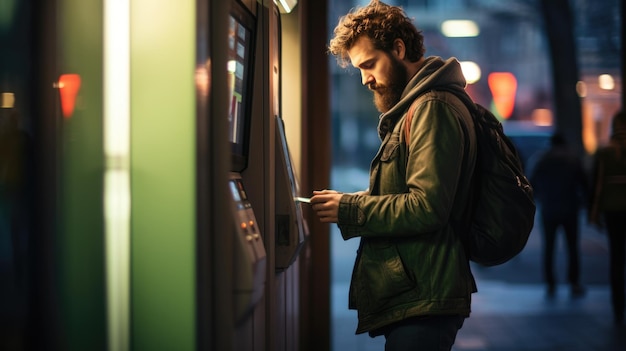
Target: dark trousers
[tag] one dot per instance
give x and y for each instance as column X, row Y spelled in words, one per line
column 433, row 333
column 616, row 230
column 551, row 224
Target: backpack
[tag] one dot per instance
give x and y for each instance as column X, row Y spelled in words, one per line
column 503, row 211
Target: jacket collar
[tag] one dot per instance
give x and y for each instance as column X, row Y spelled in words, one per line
column 435, row 73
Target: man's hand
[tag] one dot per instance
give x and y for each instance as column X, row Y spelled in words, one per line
column 325, row 203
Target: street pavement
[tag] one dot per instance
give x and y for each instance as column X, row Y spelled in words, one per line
column 511, row 310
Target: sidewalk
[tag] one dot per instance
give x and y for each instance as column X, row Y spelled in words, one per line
column 511, row 311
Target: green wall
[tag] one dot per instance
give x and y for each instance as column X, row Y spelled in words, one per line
column 163, row 147
column 162, row 168
column 80, row 241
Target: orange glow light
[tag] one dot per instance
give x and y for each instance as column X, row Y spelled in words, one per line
column 69, row 84
column 503, row 86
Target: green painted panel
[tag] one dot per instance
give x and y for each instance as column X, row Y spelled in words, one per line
column 163, row 148
column 80, row 240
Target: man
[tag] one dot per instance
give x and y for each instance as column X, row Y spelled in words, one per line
column 561, row 187
column 412, row 281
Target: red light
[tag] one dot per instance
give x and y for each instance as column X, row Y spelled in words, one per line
column 69, row 84
column 503, row 86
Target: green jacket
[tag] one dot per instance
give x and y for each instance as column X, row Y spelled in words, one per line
column 411, row 261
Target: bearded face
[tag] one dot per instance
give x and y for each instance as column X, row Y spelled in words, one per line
column 387, row 93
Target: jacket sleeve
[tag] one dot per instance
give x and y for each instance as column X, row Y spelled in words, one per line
column 433, row 170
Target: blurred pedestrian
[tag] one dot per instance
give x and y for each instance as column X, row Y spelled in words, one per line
column 608, row 206
column 561, row 186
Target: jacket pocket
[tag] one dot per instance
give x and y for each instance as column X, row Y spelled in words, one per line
column 382, row 277
column 391, row 148
column 391, row 170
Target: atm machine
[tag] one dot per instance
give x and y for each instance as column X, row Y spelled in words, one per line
column 291, row 227
column 250, row 259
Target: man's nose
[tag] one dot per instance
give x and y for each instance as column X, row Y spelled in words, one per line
column 366, row 78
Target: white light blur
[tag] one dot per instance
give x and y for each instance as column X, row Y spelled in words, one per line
column 286, row 6
column 606, row 82
column 471, row 71
column 232, row 66
column 117, row 170
column 581, row 89
column 459, row 28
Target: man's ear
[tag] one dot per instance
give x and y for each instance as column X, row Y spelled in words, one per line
column 399, row 49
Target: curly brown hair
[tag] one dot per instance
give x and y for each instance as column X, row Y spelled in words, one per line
column 383, row 24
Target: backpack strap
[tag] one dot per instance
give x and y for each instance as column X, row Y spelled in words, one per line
column 407, row 121
column 409, row 118
column 411, row 111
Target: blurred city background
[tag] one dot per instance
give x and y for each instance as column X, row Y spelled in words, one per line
column 509, row 37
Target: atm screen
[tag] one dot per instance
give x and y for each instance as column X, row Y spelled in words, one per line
column 241, row 36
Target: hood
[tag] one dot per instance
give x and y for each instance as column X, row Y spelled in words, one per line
column 435, row 74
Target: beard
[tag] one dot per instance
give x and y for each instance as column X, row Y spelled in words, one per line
column 387, row 96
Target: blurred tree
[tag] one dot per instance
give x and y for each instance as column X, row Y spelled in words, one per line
column 559, row 26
